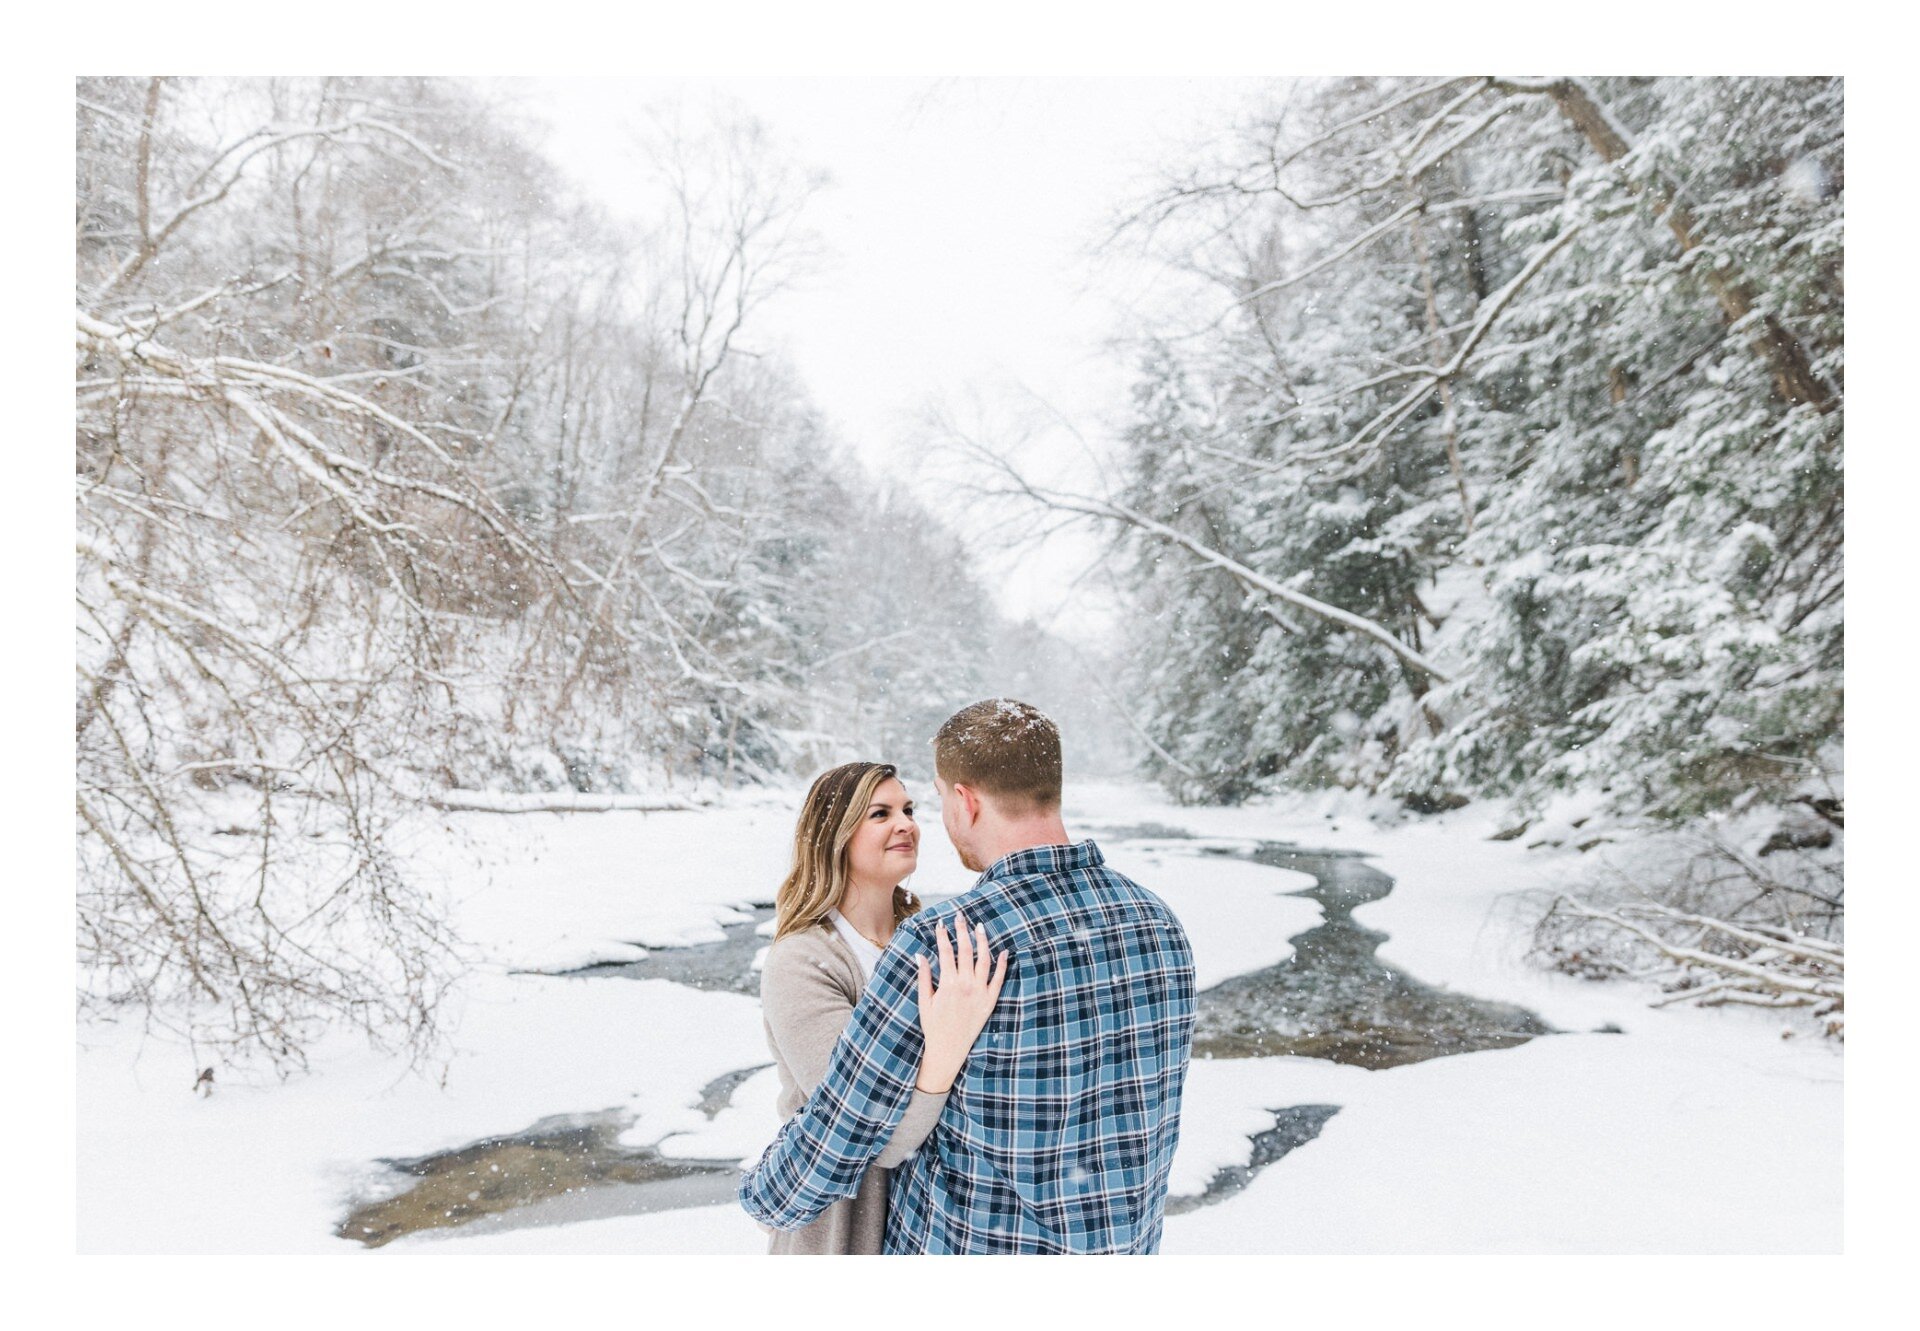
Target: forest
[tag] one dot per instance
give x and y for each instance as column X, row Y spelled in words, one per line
column 1493, row 452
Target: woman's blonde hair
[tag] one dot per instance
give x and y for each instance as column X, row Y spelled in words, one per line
column 831, row 815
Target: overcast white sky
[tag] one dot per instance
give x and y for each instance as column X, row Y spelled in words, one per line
column 958, row 229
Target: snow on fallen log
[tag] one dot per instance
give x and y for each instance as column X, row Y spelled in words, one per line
column 561, row 801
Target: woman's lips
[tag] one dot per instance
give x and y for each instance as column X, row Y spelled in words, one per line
column 901, row 845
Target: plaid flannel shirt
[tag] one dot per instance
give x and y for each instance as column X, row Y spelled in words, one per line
column 1060, row 1131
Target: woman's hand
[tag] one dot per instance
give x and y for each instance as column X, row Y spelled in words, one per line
column 952, row 1016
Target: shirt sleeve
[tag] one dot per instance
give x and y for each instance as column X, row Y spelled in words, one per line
column 821, row 1153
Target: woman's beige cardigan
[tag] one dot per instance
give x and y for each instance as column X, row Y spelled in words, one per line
column 808, row 986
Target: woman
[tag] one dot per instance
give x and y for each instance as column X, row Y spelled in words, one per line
column 855, row 843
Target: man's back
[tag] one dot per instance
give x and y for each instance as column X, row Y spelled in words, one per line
column 1061, row 1128
column 1060, row 1131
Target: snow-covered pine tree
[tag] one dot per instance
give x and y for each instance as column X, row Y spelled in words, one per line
column 1544, row 379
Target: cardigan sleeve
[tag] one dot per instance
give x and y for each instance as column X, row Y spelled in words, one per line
column 923, row 1111
column 807, row 1006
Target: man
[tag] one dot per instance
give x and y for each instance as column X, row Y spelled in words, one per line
column 1060, row 1130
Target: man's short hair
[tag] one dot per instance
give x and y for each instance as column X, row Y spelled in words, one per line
column 1008, row 749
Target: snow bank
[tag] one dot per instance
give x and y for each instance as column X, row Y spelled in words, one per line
column 1643, row 1142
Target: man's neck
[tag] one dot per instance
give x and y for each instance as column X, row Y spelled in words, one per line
column 1028, row 834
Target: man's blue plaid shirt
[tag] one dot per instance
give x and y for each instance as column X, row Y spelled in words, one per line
column 1060, row 1131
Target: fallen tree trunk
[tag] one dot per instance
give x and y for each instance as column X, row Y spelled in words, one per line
column 487, row 801
column 1776, row 969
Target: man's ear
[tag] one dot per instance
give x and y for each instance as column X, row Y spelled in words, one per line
column 969, row 800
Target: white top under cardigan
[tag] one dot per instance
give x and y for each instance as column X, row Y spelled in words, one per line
column 864, row 951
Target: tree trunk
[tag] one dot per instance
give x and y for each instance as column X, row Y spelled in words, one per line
column 1794, row 379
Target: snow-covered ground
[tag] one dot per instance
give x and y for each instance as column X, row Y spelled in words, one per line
column 1648, row 1141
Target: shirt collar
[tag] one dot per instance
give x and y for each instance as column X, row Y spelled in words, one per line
column 1046, row 860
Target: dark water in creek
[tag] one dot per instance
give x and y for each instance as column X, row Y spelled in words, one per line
column 726, row 966
column 1333, row 998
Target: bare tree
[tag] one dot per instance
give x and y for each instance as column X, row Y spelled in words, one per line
column 283, row 544
column 734, row 238
column 404, row 481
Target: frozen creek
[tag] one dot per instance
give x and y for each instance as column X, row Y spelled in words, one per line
column 1331, row 998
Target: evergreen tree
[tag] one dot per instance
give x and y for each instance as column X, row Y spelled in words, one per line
column 1544, row 380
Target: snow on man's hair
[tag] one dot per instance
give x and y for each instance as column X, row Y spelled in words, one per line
column 1008, row 749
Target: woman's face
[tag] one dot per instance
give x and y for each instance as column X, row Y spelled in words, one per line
column 886, row 847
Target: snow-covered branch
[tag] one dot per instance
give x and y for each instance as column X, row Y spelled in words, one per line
column 1113, row 511
column 1714, row 961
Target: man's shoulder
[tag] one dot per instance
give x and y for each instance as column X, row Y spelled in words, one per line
column 976, row 903
column 1102, row 887
column 1142, row 898
column 1039, row 901
column 987, row 903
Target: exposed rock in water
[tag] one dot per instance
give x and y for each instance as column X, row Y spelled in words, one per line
column 1433, row 802
column 1802, row 829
